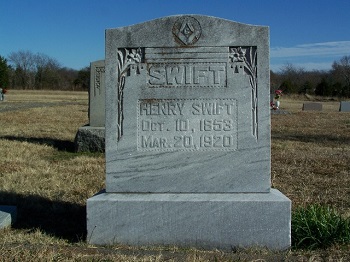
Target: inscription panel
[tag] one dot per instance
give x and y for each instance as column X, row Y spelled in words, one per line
column 187, row 124
column 99, row 79
column 97, row 94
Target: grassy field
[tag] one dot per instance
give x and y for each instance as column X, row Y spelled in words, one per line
column 49, row 183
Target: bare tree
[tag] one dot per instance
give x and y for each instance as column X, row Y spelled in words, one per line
column 35, row 70
column 24, row 64
column 47, row 72
column 39, row 71
column 292, row 78
column 341, row 73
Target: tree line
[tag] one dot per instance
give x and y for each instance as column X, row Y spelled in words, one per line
column 35, row 71
column 26, row 70
column 296, row 80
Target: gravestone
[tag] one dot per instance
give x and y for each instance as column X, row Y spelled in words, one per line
column 344, row 106
column 8, row 215
column 91, row 137
column 312, row 106
column 97, row 94
column 188, row 138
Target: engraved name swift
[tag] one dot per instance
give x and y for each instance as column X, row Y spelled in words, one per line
column 187, row 124
column 189, row 74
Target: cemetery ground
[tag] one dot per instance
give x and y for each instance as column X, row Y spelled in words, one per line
column 49, row 183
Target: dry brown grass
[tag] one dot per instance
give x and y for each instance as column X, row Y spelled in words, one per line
column 311, row 155
column 49, row 183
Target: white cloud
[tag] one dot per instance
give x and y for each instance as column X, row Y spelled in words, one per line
column 315, row 56
column 340, row 48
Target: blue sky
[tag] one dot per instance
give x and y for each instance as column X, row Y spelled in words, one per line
column 311, row 34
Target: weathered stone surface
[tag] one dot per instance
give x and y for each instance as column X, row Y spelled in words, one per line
column 312, row 106
column 8, row 215
column 188, row 138
column 90, row 139
column 344, row 106
column 97, row 94
column 191, row 220
column 187, row 114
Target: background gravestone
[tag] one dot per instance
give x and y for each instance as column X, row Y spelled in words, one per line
column 8, row 216
column 312, row 106
column 188, row 138
column 92, row 137
column 344, row 106
column 97, row 94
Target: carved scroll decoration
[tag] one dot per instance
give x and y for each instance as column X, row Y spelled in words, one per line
column 247, row 56
column 126, row 58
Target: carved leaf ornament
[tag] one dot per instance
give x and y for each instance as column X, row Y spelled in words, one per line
column 126, row 58
column 248, row 56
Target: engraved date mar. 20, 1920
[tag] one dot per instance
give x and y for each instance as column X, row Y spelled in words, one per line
column 187, row 124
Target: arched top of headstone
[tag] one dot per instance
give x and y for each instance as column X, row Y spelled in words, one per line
column 187, row 31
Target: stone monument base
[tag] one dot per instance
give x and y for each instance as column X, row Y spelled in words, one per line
column 8, row 215
column 90, row 139
column 209, row 221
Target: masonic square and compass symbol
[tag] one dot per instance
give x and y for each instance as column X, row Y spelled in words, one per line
column 187, row 30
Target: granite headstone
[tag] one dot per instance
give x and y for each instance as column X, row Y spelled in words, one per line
column 344, row 106
column 188, row 138
column 312, row 106
column 91, row 137
column 8, row 216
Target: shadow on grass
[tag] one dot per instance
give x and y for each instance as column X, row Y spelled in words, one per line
column 60, row 145
column 312, row 138
column 57, row 218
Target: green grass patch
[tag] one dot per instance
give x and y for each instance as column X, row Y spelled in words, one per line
column 317, row 226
